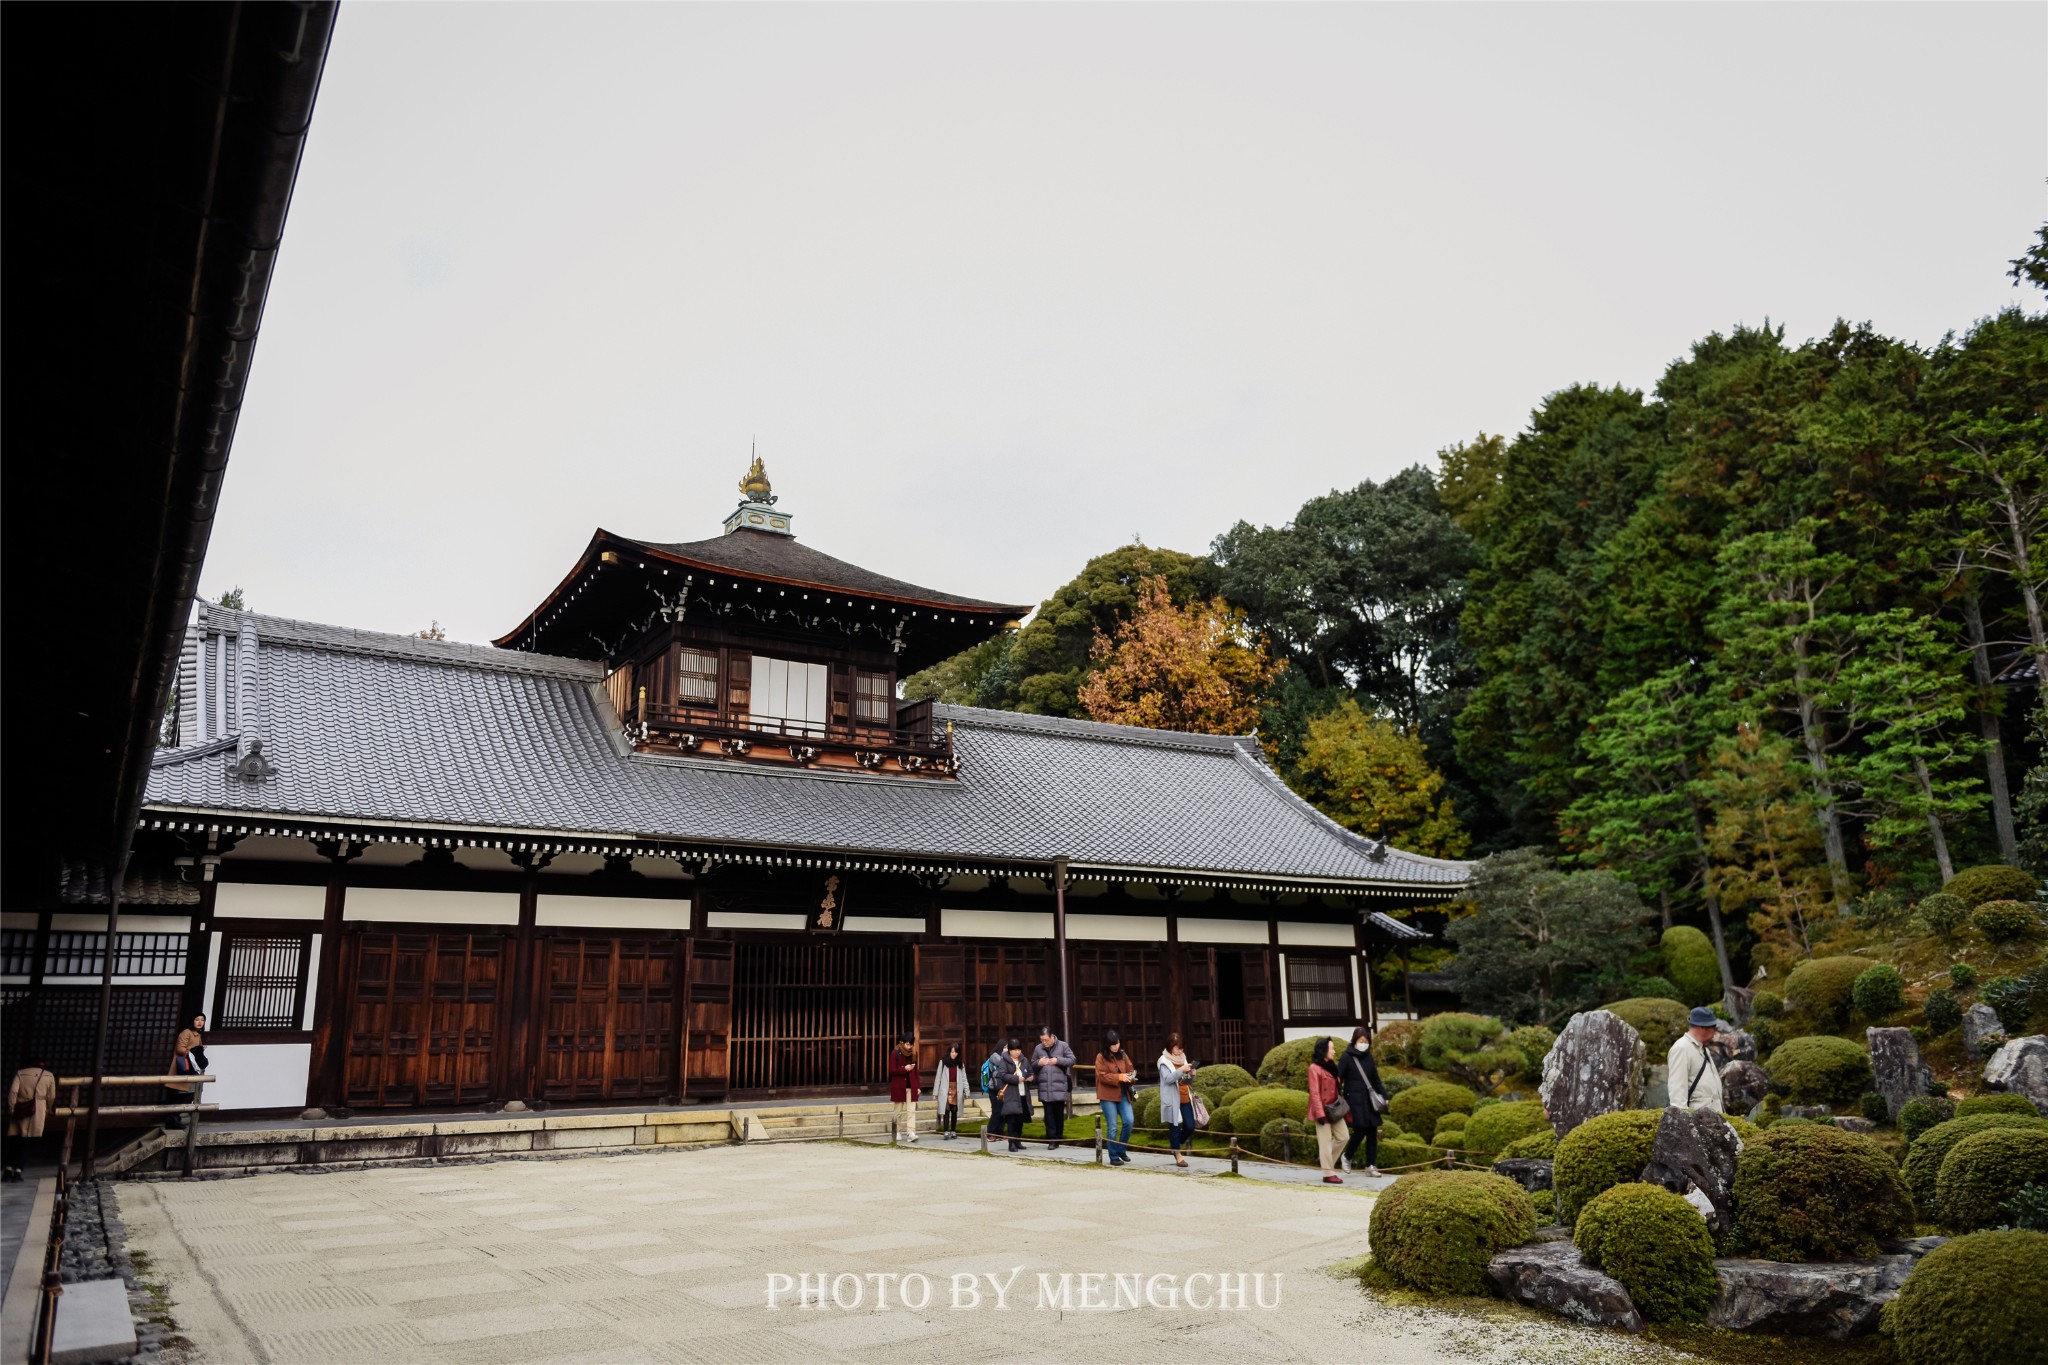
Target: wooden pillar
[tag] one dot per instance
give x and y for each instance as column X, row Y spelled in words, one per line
column 325, row 1072
column 198, row 950
column 1059, row 935
column 518, row 1056
column 1407, row 987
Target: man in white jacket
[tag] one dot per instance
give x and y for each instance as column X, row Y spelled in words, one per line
column 1692, row 1075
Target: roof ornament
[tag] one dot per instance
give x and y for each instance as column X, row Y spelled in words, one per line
column 1378, row 851
column 758, row 512
column 252, row 766
column 755, row 483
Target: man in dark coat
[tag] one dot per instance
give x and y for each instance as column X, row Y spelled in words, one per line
column 1006, row 1101
column 1359, row 1074
column 1052, row 1068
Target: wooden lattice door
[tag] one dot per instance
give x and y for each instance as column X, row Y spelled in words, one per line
column 1198, row 1007
column 942, row 1004
column 708, row 1017
column 1123, row 988
column 422, row 1018
column 608, row 1018
column 1006, row 995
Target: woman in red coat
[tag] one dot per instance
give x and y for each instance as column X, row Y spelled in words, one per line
column 1325, row 1091
column 903, row 1086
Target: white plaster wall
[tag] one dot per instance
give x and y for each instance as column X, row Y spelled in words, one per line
column 251, row 900
column 406, row 905
column 751, row 919
column 1297, row 935
column 996, row 923
column 258, row 1075
column 882, row 924
column 1124, row 928
column 1222, row 930
column 610, row 912
column 130, row 924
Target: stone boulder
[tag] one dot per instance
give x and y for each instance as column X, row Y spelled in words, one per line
column 1854, row 1123
column 1741, row 1001
column 1895, row 1064
column 1555, row 1275
column 1837, row 1299
column 1656, row 1088
column 1743, row 1086
column 2021, row 1068
column 1732, row 1045
column 1819, row 1113
column 1916, row 1247
column 1595, row 1067
column 1979, row 1023
column 1695, row 1151
column 1532, row 1173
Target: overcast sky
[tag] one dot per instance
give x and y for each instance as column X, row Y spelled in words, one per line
column 998, row 288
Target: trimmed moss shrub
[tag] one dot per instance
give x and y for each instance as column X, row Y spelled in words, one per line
column 1991, row 882
column 1652, row 988
column 1656, row 1244
column 1766, row 1005
column 1145, row 1111
column 1604, row 1151
column 1287, row 1065
column 1231, row 1097
column 1450, row 1130
column 1769, row 1033
column 1941, row 913
column 1221, row 1078
column 1922, row 1166
column 1418, row 1108
column 1546, row 1204
column 1821, row 1070
column 1407, row 1152
column 1285, row 1139
column 1483, row 1101
column 1983, row 1297
column 1876, row 1108
column 1394, row 1044
column 1534, row 1042
column 1659, row 1022
column 1962, row 974
column 1879, row 991
column 1252, row 1113
column 1944, row 1011
column 1690, row 964
column 2005, row 921
column 1436, row 1230
column 1494, row 1127
column 1542, row 1144
column 1921, row 1114
column 1744, row 1129
column 1982, row 1173
column 1823, row 988
column 1393, row 1083
column 1812, row 1193
column 1995, row 1104
column 2013, row 999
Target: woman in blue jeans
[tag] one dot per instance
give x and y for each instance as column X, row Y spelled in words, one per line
column 1115, row 1075
column 1176, row 1099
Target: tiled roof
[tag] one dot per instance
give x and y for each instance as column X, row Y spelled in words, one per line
column 786, row 559
column 379, row 728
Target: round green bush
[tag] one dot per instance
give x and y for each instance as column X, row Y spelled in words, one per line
column 1220, row 1078
column 1876, row 1108
column 1419, row 1107
column 1815, row 1193
column 1923, row 1113
column 1744, row 1129
column 1690, row 964
column 1453, row 1122
column 1819, row 1069
column 1944, row 1011
column 2005, row 921
column 1879, row 991
column 1300, row 1140
column 1232, row 1096
column 1393, row 1083
column 1922, row 1166
column 1991, row 882
column 1962, row 975
column 1394, row 1044
column 1766, row 1005
column 1546, row 1204
column 1436, row 1230
column 1287, row 1065
column 1534, row 1042
column 1983, row 1172
column 1541, row 1144
column 1978, row 1298
column 1656, row 1244
column 1651, row 988
column 1252, row 1113
column 1494, row 1127
column 1941, row 913
column 1997, row 1103
column 1145, row 1111
column 1604, row 1151
column 1823, row 988
column 2013, row 999
column 1659, row 1022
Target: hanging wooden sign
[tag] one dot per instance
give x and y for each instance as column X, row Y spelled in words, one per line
column 830, row 910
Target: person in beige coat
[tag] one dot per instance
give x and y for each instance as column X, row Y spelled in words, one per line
column 28, row 1108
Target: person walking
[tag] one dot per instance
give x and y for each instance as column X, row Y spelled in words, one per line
column 183, row 1063
column 1052, row 1071
column 903, row 1086
column 193, row 1039
column 1693, row 1078
column 1177, row 1097
column 29, row 1097
column 1362, row 1091
column 1115, row 1077
column 949, row 1091
column 1007, row 1103
column 1326, row 1109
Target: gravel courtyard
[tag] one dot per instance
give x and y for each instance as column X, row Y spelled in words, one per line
column 668, row 1257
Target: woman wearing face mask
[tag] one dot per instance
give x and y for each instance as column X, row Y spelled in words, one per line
column 1360, row 1075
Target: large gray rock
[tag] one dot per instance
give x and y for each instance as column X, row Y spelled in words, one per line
column 1733, row 1045
column 1836, row 1299
column 1696, row 1151
column 1853, row 1123
column 1656, row 1087
column 1532, row 1173
column 1979, row 1023
column 1743, row 1086
column 2021, row 1068
column 1819, row 1113
column 1555, row 1275
column 1895, row 1063
column 1741, row 1002
column 1595, row 1067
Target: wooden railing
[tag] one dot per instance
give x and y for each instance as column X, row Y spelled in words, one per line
column 913, row 743
column 71, row 1113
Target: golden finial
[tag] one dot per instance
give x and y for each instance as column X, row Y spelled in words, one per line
column 755, row 484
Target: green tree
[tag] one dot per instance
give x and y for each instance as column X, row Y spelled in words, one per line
column 1468, row 480
column 973, row 677
column 1764, row 843
column 1371, row 775
column 1541, row 944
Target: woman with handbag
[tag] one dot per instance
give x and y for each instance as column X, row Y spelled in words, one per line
column 1327, row 1107
column 1176, row 1097
column 1006, row 1093
column 1367, row 1098
column 29, row 1097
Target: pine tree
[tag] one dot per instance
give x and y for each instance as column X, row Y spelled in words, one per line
column 1763, row 841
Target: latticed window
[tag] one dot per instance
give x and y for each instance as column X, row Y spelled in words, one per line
column 871, row 698
column 83, row 953
column 262, row 982
column 697, row 673
column 17, row 952
column 1317, row 986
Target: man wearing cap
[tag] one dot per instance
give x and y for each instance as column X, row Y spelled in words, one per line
column 1691, row 1074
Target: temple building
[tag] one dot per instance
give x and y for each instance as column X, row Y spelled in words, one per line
column 676, row 835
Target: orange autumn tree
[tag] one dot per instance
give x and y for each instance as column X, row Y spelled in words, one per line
column 1194, row 668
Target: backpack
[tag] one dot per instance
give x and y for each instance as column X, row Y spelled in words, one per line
column 986, row 1079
